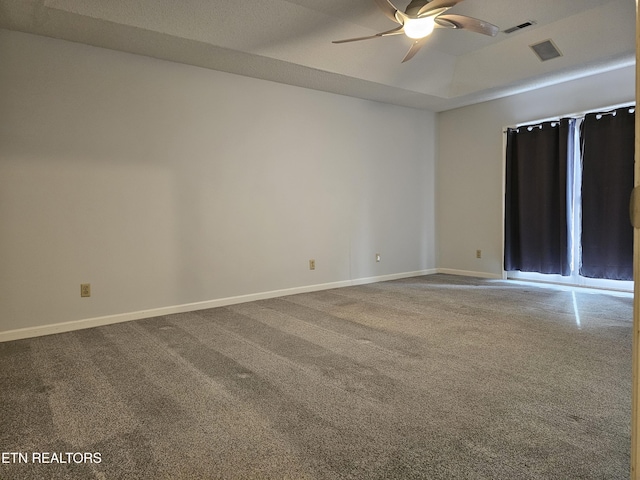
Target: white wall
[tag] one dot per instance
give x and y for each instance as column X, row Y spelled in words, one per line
column 164, row 184
column 470, row 161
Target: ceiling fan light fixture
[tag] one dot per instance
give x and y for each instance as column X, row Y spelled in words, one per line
column 418, row 28
column 419, row 20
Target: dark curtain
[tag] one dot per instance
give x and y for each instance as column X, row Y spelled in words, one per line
column 536, row 231
column 607, row 180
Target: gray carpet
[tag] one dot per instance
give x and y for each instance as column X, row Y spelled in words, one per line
column 436, row 377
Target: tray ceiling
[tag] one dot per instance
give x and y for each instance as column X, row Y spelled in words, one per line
column 289, row 41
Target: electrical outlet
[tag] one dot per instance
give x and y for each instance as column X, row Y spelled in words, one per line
column 478, row 253
column 85, row 289
column 312, row 264
column 377, row 257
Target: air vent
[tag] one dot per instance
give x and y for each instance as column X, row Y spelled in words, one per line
column 545, row 50
column 519, row 27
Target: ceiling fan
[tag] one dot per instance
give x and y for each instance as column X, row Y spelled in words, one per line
column 421, row 17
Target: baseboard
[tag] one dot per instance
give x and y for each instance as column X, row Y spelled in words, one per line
column 393, row 276
column 467, row 273
column 63, row 327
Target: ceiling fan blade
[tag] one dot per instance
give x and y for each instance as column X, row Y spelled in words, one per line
column 388, row 8
column 417, row 45
column 436, row 4
column 395, row 31
column 467, row 23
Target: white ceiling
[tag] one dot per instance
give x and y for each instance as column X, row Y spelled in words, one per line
column 289, row 41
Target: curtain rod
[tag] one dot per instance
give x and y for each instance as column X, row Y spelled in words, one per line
column 531, row 127
column 581, row 116
column 599, row 115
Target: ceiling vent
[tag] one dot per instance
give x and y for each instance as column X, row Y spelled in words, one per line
column 545, row 50
column 519, row 27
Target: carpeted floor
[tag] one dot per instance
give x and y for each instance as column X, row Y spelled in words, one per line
column 435, row 377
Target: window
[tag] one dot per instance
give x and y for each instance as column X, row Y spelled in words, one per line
column 567, row 191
